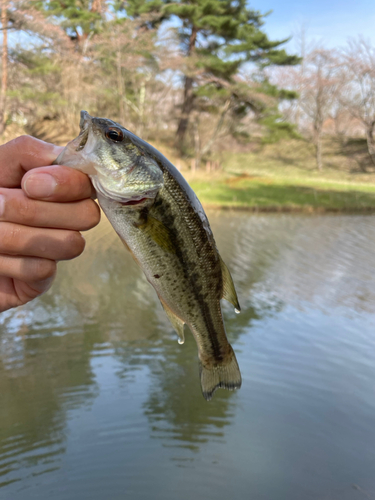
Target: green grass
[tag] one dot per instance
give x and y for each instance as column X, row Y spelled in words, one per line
column 284, row 177
column 282, row 195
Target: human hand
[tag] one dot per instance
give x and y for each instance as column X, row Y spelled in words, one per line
column 42, row 210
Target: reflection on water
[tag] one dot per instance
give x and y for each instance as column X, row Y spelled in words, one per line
column 98, row 400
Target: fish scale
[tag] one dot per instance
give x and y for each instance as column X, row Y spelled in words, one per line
column 162, row 223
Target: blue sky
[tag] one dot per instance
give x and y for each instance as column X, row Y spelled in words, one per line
column 330, row 21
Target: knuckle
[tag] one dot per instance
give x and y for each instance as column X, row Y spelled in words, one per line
column 25, row 210
column 11, row 237
column 23, row 142
column 18, row 208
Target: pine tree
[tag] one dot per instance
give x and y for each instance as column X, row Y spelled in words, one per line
column 217, row 38
column 79, row 18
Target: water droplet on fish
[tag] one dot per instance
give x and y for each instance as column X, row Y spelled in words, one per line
column 181, row 341
column 237, row 311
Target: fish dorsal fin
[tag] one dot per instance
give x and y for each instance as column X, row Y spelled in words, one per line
column 158, row 232
column 229, row 292
column 177, row 323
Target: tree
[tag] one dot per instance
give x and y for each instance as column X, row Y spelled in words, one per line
column 108, row 57
column 4, row 64
column 227, row 109
column 321, row 83
column 358, row 61
column 217, row 37
column 126, row 53
column 80, row 19
column 319, row 86
column 25, row 65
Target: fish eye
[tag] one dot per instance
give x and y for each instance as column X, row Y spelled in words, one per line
column 114, row 134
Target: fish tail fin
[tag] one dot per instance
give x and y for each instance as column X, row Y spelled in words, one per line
column 226, row 375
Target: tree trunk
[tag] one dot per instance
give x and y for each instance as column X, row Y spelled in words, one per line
column 318, row 151
column 141, row 106
column 318, row 129
column 187, row 108
column 218, row 128
column 371, row 141
column 188, row 102
column 120, row 86
column 4, row 65
column 197, row 144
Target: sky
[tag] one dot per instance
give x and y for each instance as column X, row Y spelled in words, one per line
column 330, row 21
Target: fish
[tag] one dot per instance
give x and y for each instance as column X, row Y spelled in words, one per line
column 161, row 222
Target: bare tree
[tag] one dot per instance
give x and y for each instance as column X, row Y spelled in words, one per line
column 318, row 84
column 128, row 54
column 321, row 84
column 358, row 60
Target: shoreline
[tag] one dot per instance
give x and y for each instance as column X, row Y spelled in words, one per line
column 307, row 209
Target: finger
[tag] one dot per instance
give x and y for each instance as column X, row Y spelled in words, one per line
column 22, row 154
column 29, row 291
column 28, row 269
column 57, row 183
column 14, row 271
column 54, row 244
column 16, row 207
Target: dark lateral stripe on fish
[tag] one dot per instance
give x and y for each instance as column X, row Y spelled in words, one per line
column 183, row 257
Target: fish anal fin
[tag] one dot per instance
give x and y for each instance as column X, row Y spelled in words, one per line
column 229, row 292
column 224, row 375
column 158, row 232
column 177, row 323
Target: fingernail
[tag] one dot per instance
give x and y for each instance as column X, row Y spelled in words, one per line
column 2, row 205
column 40, row 185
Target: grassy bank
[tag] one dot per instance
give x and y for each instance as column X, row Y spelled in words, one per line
column 280, row 194
column 284, row 177
column 278, row 177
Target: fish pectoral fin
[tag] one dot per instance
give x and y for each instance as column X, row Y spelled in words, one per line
column 229, row 292
column 177, row 323
column 159, row 233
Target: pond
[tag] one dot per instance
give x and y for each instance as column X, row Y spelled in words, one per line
column 99, row 401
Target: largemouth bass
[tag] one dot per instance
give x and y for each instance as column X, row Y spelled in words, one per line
column 161, row 222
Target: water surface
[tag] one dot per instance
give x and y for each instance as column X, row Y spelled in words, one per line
column 99, row 401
